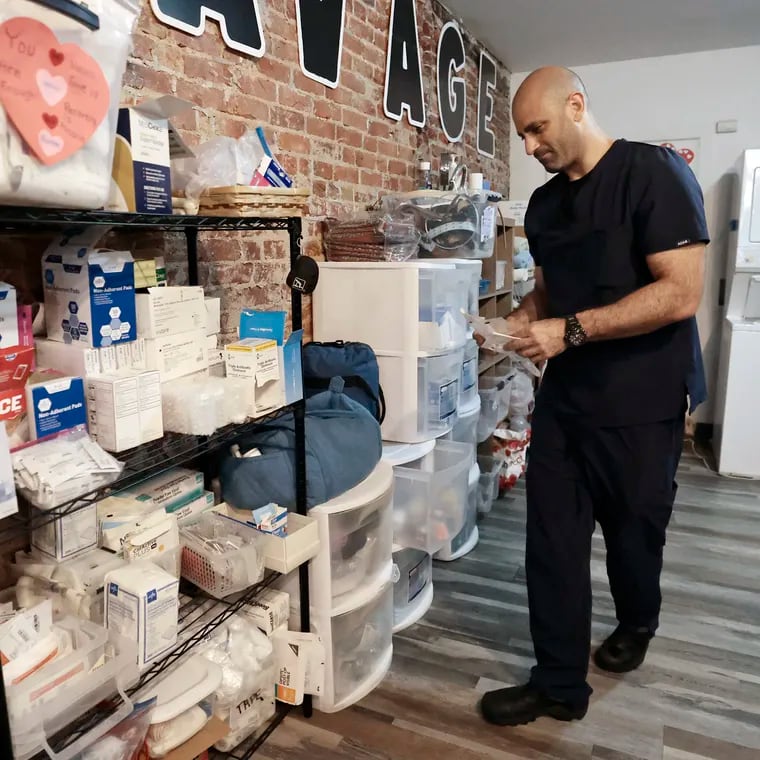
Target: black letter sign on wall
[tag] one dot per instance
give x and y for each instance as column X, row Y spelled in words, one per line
column 240, row 20
column 403, row 70
column 320, row 38
column 486, row 84
column 452, row 96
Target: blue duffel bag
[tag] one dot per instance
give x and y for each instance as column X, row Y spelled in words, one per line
column 343, row 446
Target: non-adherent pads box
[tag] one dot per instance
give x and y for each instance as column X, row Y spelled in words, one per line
column 55, row 405
column 142, row 604
column 89, row 295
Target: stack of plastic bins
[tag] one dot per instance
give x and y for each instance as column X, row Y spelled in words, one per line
column 351, row 589
column 413, row 586
column 468, row 537
column 410, row 313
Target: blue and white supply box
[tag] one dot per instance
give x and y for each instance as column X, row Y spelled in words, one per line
column 89, row 292
column 55, row 405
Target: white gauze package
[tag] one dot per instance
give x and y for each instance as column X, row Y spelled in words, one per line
column 50, row 83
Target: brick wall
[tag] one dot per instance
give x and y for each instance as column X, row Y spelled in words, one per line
column 336, row 141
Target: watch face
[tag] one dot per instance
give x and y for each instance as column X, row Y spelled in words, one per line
column 575, row 335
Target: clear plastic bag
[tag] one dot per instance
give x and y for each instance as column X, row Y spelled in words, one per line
column 374, row 236
column 82, row 180
column 124, row 741
column 59, row 470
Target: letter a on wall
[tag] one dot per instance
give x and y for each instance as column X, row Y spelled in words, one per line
column 403, row 70
column 452, row 92
column 320, row 38
column 239, row 20
column 486, row 85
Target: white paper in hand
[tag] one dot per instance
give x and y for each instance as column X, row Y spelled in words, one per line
column 491, row 339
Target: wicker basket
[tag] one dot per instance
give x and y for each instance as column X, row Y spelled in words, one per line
column 241, row 200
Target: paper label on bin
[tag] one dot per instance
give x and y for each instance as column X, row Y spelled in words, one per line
column 488, row 224
column 448, row 399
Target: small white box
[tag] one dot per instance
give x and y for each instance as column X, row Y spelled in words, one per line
column 76, row 359
column 89, row 293
column 157, row 540
column 170, row 311
column 257, row 361
column 118, row 516
column 213, row 316
column 55, row 405
column 191, row 510
column 269, row 611
column 9, row 335
column 142, row 604
column 177, row 355
column 8, row 502
column 113, row 411
column 130, row 355
column 171, row 489
column 68, row 536
column 151, row 409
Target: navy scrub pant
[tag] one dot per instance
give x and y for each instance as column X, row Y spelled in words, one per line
column 624, row 479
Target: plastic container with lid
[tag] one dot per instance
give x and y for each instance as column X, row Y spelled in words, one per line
column 430, row 496
column 356, row 535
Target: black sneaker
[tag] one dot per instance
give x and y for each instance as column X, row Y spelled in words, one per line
column 623, row 651
column 524, row 704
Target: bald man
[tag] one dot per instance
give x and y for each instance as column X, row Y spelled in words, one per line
column 618, row 237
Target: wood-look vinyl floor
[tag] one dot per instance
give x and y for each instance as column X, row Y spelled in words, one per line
column 697, row 697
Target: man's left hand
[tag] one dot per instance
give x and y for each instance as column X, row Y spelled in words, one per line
column 545, row 339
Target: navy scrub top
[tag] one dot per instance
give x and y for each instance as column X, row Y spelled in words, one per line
column 591, row 238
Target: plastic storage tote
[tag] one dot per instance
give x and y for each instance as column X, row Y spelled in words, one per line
column 468, row 537
column 359, row 650
column 474, row 269
column 98, row 665
column 421, row 394
column 465, row 429
column 430, row 497
column 356, row 540
column 488, row 488
column 406, row 307
column 413, row 587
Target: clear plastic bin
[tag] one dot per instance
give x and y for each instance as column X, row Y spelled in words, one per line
column 356, row 536
column 468, row 387
column 501, row 384
column 421, row 394
column 467, row 538
column 221, row 556
column 359, row 646
column 443, row 296
column 488, row 488
column 490, row 402
column 474, row 269
column 430, row 497
column 99, row 665
column 465, row 429
column 415, row 574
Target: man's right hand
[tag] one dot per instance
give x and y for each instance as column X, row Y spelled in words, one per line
column 514, row 326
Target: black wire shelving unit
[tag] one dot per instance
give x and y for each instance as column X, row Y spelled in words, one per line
column 199, row 614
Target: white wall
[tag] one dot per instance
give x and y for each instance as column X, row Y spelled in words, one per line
column 677, row 97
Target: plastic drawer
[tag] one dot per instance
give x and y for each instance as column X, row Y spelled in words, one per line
column 358, row 647
column 442, row 298
column 430, row 497
column 467, row 538
column 465, row 429
column 414, row 571
column 468, row 385
column 99, row 665
column 356, row 540
column 488, row 489
column 421, row 394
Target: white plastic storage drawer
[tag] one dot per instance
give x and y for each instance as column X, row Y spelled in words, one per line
column 409, row 306
column 359, row 650
column 430, row 497
column 356, row 540
column 413, row 587
column 421, row 394
column 98, row 665
column 473, row 268
column 468, row 386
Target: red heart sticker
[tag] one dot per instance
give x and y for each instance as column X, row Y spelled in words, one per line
column 55, row 111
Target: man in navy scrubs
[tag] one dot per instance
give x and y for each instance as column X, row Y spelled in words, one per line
column 618, row 237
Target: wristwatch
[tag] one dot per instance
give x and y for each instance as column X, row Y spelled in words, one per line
column 575, row 335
